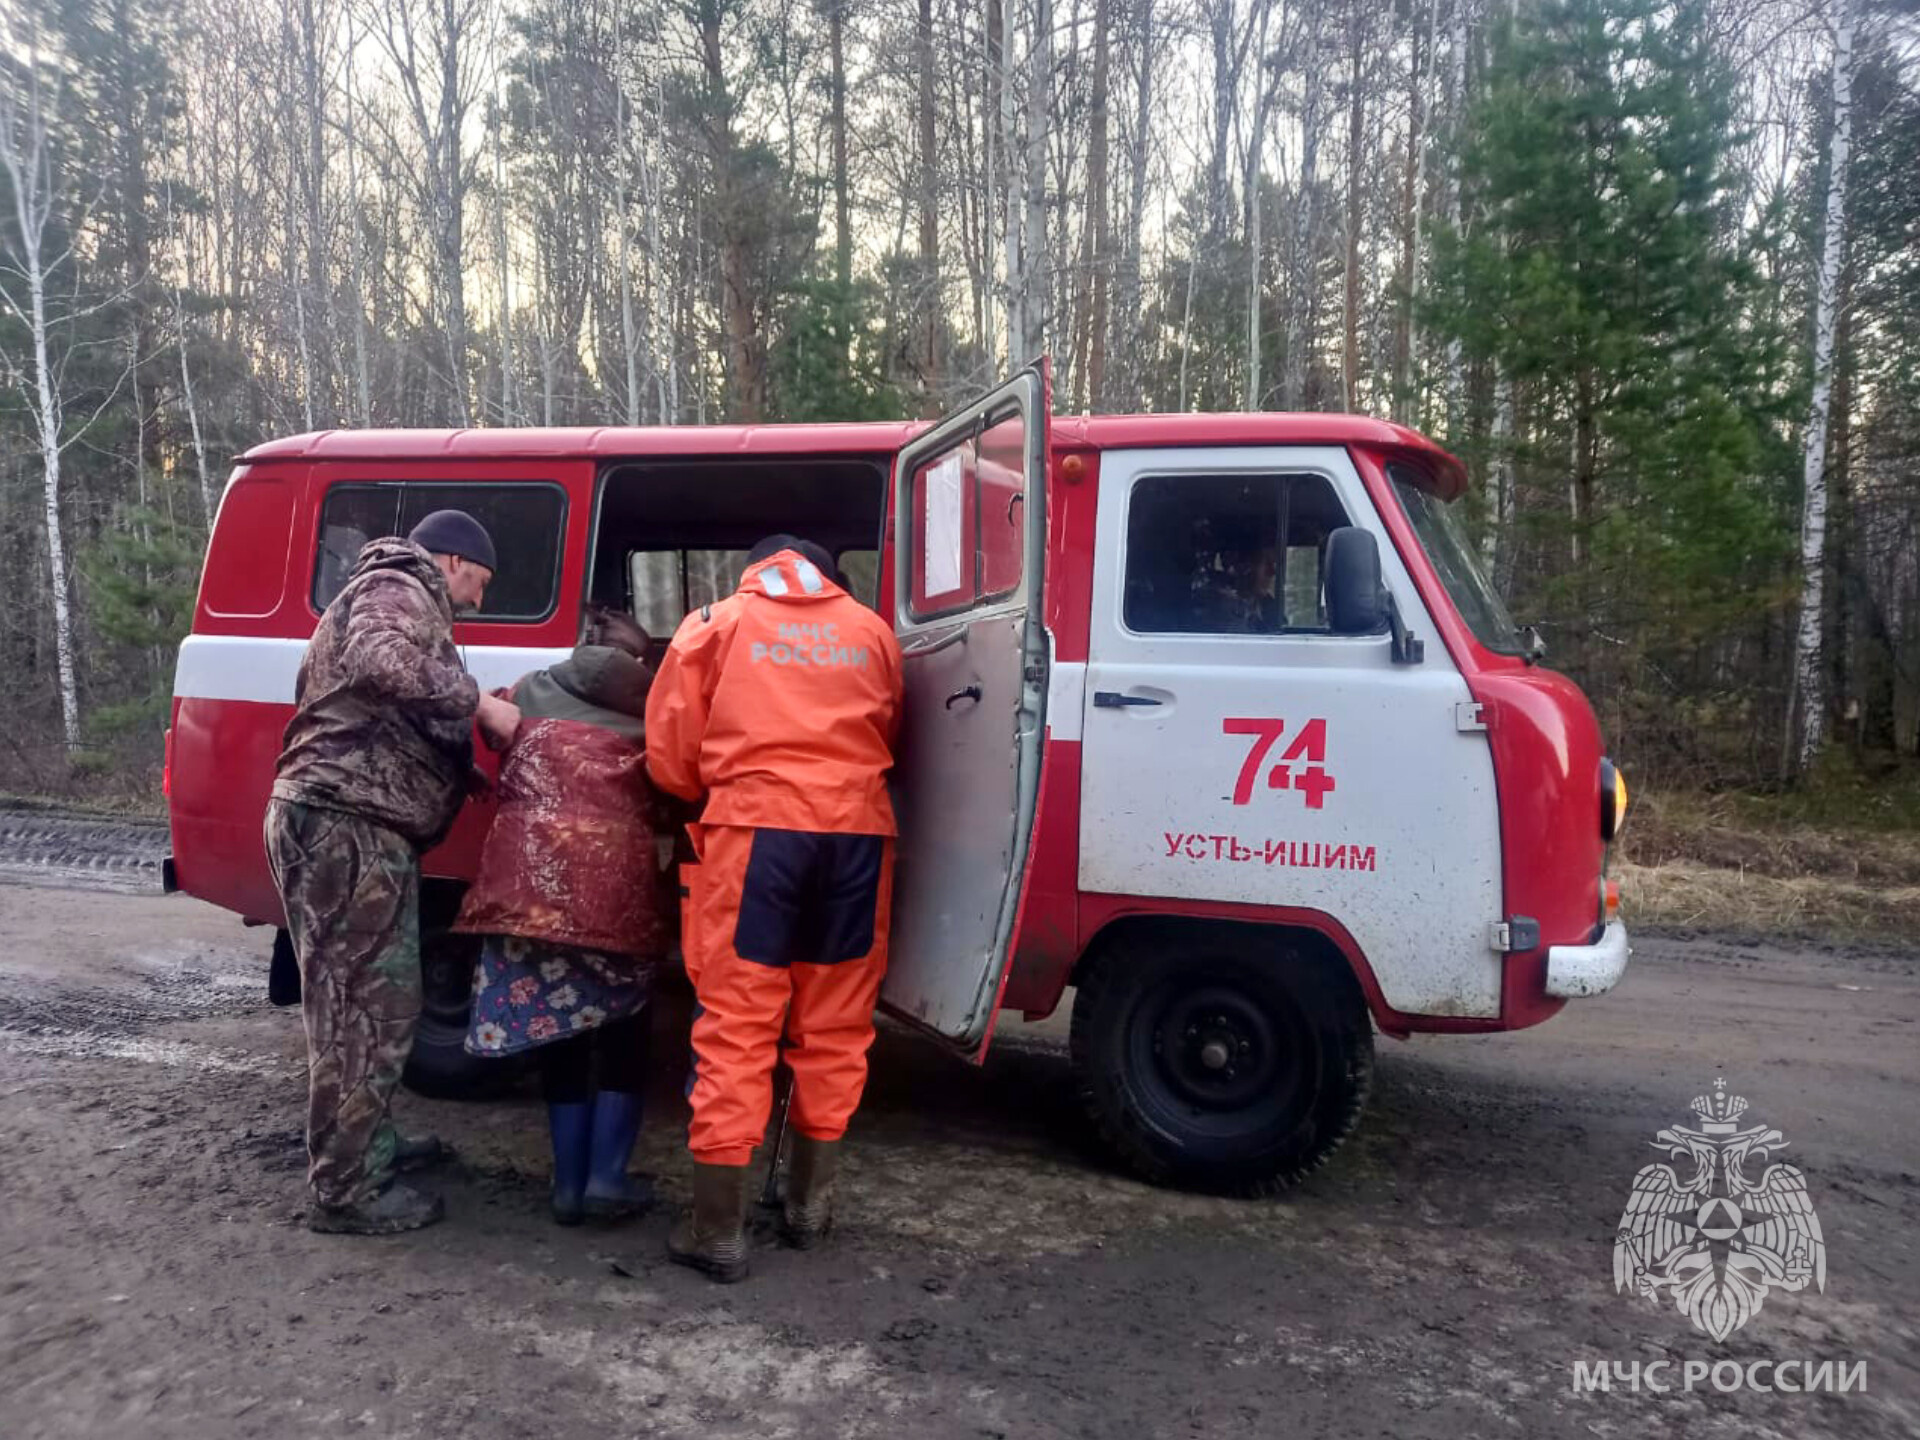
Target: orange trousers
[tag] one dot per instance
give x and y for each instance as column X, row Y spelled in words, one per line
column 784, row 932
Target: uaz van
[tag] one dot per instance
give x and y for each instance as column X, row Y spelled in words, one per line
column 1213, row 718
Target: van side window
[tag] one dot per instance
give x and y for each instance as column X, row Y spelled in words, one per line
column 1228, row 554
column 665, row 586
column 527, row 522
column 969, row 526
column 860, row 570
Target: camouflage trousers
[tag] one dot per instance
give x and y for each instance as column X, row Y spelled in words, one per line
column 352, row 891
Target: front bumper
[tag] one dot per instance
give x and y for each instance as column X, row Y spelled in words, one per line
column 1577, row 970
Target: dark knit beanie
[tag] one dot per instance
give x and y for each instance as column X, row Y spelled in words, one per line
column 810, row 549
column 454, row 532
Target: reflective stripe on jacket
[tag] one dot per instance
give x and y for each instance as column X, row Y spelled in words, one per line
column 780, row 705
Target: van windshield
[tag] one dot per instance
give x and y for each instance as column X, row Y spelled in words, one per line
column 1455, row 560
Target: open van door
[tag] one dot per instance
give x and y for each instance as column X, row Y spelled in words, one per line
column 967, row 518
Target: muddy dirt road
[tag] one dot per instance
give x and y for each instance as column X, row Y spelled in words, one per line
column 991, row 1278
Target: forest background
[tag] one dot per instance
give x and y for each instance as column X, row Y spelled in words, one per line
column 1652, row 269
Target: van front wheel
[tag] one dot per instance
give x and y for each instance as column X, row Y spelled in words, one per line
column 1221, row 1059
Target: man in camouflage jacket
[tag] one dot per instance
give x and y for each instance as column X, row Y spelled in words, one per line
column 375, row 768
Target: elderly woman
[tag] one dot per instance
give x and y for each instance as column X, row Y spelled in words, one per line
column 569, row 904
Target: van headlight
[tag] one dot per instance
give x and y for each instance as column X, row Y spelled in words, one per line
column 1613, row 800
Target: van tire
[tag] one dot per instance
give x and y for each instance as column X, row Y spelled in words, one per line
column 439, row 1066
column 1219, row 1058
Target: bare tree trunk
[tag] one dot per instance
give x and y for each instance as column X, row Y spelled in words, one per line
column 1014, row 229
column 363, row 379
column 1098, row 208
column 1809, row 666
column 318, row 279
column 1254, row 245
column 1496, row 542
column 438, row 71
column 1039, row 96
column 629, row 336
column 1456, row 102
column 306, row 357
column 1403, row 346
column 503, row 263
column 24, row 137
column 1356, row 139
column 1186, row 325
column 1418, row 219
column 842, row 179
column 1132, row 298
column 1300, row 298
column 928, row 299
column 193, row 410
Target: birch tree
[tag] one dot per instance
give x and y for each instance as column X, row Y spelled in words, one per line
column 432, row 45
column 26, row 154
column 1809, row 658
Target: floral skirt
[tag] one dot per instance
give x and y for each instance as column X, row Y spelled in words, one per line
column 527, row 993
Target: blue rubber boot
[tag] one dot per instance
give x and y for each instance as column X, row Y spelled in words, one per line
column 611, row 1193
column 572, row 1127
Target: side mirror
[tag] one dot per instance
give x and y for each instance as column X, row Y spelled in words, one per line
column 1357, row 603
column 1356, row 600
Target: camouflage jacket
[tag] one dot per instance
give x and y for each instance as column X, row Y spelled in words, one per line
column 383, row 719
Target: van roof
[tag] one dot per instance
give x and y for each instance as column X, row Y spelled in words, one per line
column 1096, row 432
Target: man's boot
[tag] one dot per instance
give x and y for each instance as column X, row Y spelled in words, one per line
column 571, row 1125
column 713, row 1239
column 417, row 1152
column 394, row 1209
column 808, row 1214
column 611, row 1193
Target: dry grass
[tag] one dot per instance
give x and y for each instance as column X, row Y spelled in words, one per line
column 1733, row 832
column 1686, row 896
column 1733, row 862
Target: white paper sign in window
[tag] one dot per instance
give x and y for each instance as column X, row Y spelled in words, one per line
column 944, row 528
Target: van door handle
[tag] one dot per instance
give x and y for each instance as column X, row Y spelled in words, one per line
column 1114, row 700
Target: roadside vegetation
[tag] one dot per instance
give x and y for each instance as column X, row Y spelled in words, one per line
column 1837, row 859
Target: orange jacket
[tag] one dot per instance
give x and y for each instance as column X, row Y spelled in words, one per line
column 780, row 705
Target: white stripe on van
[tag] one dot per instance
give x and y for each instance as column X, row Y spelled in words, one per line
column 264, row 668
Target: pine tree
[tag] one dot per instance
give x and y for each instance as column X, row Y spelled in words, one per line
column 1605, row 276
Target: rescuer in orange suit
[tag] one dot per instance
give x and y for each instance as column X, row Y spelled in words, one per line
column 778, row 706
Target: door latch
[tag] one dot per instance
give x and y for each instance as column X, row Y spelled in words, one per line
column 1114, row 700
column 1469, row 716
column 1517, row 933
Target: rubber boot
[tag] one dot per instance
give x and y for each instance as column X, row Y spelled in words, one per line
column 808, row 1214
column 394, row 1209
column 613, row 1194
column 572, row 1127
column 713, row 1239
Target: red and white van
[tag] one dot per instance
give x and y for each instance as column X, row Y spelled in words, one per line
column 1212, row 717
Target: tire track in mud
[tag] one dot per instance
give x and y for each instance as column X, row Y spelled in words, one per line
column 50, row 847
column 118, row 1018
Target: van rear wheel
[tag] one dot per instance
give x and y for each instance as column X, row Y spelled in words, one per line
column 1219, row 1059
column 439, row 1065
